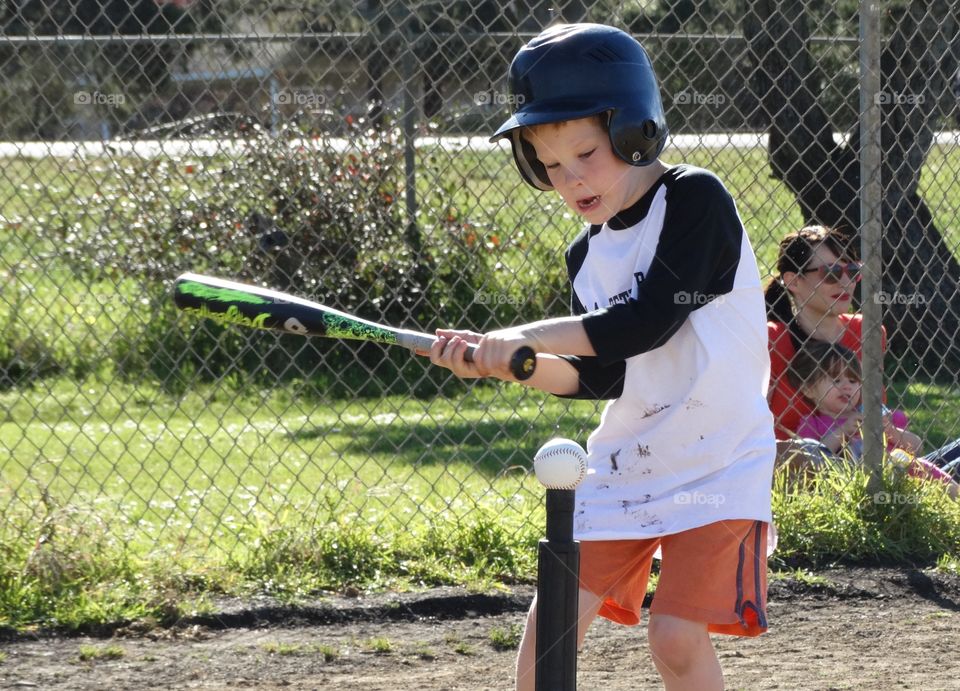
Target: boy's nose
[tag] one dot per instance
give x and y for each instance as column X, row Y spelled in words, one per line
column 570, row 177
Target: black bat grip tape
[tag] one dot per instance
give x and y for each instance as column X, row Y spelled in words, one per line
column 522, row 364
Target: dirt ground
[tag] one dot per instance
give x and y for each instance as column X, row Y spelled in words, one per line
column 865, row 629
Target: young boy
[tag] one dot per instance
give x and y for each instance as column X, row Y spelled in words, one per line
column 670, row 325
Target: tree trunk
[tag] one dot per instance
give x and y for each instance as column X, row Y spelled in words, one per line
column 921, row 275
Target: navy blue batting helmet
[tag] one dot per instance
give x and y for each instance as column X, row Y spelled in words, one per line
column 573, row 71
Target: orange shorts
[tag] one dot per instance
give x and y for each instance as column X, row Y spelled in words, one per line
column 715, row 574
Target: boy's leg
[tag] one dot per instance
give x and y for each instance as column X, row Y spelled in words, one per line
column 588, row 606
column 683, row 653
column 712, row 580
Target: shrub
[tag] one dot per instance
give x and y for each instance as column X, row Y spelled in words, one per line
column 296, row 213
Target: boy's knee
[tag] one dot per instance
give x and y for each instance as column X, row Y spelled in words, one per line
column 676, row 644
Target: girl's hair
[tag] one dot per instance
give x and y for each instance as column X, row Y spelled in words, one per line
column 796, row 251
column 818, row 359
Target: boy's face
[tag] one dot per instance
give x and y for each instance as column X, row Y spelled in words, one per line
column 835, row 396
column 582, row 167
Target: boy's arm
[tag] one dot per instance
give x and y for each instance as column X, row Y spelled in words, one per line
column 569, row 376
column 697, row 255
column 553, row 374
column 696, row 260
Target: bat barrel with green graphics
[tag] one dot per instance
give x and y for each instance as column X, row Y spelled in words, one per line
column 240, row 304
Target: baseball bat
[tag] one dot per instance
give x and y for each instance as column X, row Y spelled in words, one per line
column 229, row 302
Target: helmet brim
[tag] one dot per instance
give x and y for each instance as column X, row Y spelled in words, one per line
column 544, row 114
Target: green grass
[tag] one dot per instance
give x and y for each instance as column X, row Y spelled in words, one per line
column 459, row 646
column 284, row 649
column 145, row 505
column 93, row 653
column 506, row 638
column 121, row 502
column 328, row 653
column 799, row 575
column 424, row 652
column 378, row 646
column 835, row 516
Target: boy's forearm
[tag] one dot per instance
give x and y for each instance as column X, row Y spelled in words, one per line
column 563, row 336
column 554, row 375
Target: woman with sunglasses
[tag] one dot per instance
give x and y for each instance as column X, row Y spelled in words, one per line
column 809, row 298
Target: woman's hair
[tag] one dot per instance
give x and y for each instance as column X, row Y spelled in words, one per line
column 796, row 251
column 818, row 359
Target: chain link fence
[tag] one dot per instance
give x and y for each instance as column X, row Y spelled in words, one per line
column 338, row 151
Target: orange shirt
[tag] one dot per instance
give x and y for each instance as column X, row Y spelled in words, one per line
column 786, row 403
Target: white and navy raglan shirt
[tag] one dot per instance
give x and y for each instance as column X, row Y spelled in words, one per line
column 672, row 302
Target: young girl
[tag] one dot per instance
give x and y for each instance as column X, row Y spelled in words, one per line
column 829, row 377
column 809, row 300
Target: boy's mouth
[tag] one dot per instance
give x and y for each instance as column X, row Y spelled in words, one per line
column 588, row 203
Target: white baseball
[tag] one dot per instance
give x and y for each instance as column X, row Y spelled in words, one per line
column 560, row 464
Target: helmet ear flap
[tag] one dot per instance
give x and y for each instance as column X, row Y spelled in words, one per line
column 532, row 170
column 638, row 137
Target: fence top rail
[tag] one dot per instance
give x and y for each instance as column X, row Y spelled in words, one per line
column 76, row 39
column 148, row 148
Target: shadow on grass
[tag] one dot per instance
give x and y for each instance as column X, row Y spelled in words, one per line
column 488, row 446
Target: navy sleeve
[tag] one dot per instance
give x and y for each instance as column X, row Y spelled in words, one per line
column 597, row 381
column 695, row 261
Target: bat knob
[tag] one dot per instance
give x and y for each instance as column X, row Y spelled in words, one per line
column 523, row 363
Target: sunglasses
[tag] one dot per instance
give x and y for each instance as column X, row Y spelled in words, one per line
column 832, row 273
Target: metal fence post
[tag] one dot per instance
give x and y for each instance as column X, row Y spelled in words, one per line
column 871, row 205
